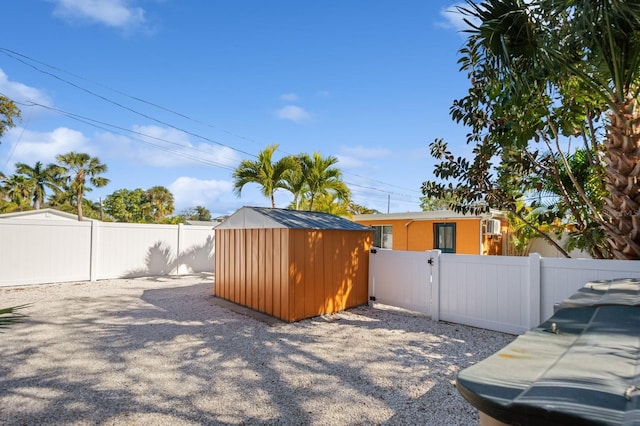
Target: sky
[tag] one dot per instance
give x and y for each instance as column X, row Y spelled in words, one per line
column 176, row 93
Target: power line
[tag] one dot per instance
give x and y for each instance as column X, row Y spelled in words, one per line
column 109, row 127
column 12, row 54
column 119, row 105
column 24, row 59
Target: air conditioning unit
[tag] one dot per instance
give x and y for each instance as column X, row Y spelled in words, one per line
column 493, row 227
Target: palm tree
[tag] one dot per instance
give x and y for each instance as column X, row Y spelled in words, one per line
column 322, row 179
column 77, row 167
column 158, row 203
column 295, row 180
column 264, row 172
column 328, row 202
column 18, row 191
column 40, row 178
column 595, row 44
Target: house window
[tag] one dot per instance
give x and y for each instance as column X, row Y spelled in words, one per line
column 383, row 236
column 445, row 237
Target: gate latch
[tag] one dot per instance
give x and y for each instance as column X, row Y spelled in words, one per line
column 430, row 261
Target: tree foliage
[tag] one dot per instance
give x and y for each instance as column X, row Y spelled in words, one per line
column 39, row 178
column 548, row 77
column 9, row 113
column 125, row 205
column 158, row 203
column 139, row 206
column 269, row 175
column 196, row 213
column 77, row 168
column 309, row 178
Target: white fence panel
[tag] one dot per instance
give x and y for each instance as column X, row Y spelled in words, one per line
column 485, row 291
column 135, row 250
column 47, row 251
column 43, row 251
column 560, row 278
column 196, row 255
column 401, row 279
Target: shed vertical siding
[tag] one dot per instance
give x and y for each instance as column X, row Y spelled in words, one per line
column 269, row 267
column 252, row 269
column 283, row 261
column 328, row 271
column 292, row 274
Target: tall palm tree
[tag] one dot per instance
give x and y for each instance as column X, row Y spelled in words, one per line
column 263, row 171
column 40, row 178
column 78, row 167
column 597, row 45
column 322, row 178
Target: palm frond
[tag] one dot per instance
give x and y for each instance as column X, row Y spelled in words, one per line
column 9, row 316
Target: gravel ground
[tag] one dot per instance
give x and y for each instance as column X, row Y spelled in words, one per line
column 155, row 351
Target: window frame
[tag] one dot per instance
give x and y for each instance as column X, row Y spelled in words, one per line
column 382, row 235
column 438, row 229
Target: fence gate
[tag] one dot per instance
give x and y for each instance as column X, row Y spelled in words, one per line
column 402, row 279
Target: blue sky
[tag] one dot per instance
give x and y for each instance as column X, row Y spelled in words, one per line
column 176, row 93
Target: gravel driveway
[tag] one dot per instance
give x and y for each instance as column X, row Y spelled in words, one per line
column 155, row 351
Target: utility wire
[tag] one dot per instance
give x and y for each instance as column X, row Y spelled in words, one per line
column 24, row 60
column 109, row 128
column 119, row 105
column 13, row 54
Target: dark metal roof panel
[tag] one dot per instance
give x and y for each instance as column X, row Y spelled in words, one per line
column 262, row 217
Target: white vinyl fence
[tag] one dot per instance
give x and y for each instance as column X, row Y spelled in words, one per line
column 502, row 293
column 46, row 251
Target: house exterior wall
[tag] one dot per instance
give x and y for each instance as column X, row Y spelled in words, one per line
column 292, row 274
column 418, row 235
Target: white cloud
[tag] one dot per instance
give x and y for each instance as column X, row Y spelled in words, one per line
column 454, row 19
column 189, row 192
column 289, row 97
column 360, row 156
column 29, row 147
column 322, row 93
column 19, row 92
column 293, row 113
column 166, row 147
column 113, row 13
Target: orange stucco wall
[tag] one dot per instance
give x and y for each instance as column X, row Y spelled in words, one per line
column 417, row 235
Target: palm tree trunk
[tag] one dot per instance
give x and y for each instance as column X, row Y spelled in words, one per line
column 79, row 203
column 622, row 165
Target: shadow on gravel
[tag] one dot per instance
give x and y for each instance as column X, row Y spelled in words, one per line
column 176, row 355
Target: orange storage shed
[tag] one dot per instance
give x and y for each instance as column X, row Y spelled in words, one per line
column 292, row 264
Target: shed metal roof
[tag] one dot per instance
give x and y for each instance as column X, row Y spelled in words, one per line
column 262, row 218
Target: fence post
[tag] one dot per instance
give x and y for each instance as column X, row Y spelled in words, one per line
column 178, row 248
column 434, row 262
column 534, row 290
column 372, row 276
column 93, row 256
